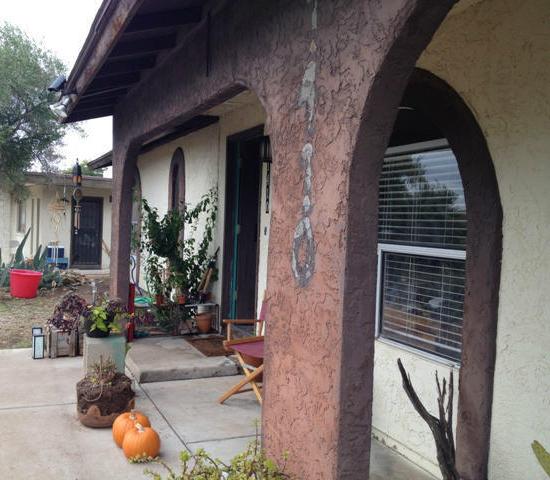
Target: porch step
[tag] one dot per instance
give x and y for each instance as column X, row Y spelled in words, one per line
column 161, row 359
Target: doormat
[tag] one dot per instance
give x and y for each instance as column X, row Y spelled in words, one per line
column 209, row 346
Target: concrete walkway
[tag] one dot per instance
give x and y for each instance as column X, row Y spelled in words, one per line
column 40, row 437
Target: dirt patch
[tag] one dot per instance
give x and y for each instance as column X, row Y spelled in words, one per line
column 19, row 315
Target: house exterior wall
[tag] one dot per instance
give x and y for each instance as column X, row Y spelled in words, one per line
column 53, row 227
column 506, row 84
column 205, row 159
column 5, row 225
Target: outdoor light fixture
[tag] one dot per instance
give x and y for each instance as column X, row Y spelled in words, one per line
column 57, row 84
column 38, row 340
column 265, row 156
column 77, row 195
column 60, row 108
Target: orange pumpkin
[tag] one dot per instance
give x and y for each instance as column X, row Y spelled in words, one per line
column 141, row 443
column 126, row 421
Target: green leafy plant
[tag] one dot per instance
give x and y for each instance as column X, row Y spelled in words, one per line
column 187, row 257
column 542, row 455
column 153, row 274
column 29, row 132
column 252, row 464
column 109, row 316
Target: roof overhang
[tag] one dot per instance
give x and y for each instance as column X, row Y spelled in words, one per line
column 196, row 123
column 128, row 38
column 90, row 181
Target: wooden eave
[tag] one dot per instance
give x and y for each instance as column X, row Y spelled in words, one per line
column 125, row 41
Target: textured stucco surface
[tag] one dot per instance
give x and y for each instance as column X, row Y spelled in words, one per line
column 319, row 360
column 506, row 46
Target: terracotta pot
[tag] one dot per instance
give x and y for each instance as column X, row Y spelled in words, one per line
column 204, row 322
column 159, row 299
column 182, row 299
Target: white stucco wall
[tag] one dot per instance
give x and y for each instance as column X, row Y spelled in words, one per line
column 496, row 55
column 5, row 225
column 205, row 156
column 45, row 224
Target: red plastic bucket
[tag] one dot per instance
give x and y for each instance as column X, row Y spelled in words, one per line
column 24, row 283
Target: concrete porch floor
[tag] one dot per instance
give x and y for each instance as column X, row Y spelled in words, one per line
column 41, row 437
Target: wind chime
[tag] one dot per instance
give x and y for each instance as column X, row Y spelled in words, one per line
column 77, row 195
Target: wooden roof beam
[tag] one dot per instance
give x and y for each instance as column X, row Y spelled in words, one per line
column 172, row 18
column 114, row 81
column 143, row 46
column 131, row 65
column 78, row 115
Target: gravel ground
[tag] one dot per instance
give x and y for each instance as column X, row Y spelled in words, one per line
column 18, row 315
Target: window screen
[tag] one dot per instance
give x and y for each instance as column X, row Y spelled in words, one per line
column 422, row 237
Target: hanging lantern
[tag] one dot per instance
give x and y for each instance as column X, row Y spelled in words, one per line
column 77, row 195
column 265, row 156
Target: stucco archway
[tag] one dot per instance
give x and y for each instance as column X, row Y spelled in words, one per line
column 439, row 102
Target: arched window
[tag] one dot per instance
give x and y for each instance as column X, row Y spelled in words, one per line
column 421, row 240
column 176, row 190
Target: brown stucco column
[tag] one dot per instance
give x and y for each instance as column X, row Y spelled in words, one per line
column 124, row 165
column 322, row 252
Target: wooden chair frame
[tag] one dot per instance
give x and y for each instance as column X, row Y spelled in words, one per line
column 251, row 372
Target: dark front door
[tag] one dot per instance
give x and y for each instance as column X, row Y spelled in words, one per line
column 244, row 169
column 86, row 241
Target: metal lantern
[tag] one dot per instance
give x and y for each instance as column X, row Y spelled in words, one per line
column 77, row 195
column 265, row 155
column 38, row 342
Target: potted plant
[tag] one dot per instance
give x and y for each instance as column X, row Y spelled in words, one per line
column 103, row 394
column 101, row 320
column 62, row 328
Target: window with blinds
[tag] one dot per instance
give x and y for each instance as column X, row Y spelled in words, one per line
column 421, row 244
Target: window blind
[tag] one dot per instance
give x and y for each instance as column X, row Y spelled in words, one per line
column 422, row 200
column 422, row 302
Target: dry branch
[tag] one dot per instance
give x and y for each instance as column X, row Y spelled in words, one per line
column 442, row 427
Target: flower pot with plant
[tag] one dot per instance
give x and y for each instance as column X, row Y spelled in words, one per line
column 101, row 320
column 62, row 328
column 103, row 394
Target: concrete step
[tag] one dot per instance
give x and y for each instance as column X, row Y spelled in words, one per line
column 160, row 359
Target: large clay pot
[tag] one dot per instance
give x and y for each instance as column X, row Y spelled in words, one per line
column 204, row 322
column 98, row 407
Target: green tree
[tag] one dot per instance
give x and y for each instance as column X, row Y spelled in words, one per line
column 29, row 132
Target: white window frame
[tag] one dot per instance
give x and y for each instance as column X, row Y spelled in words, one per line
column 439, row 253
